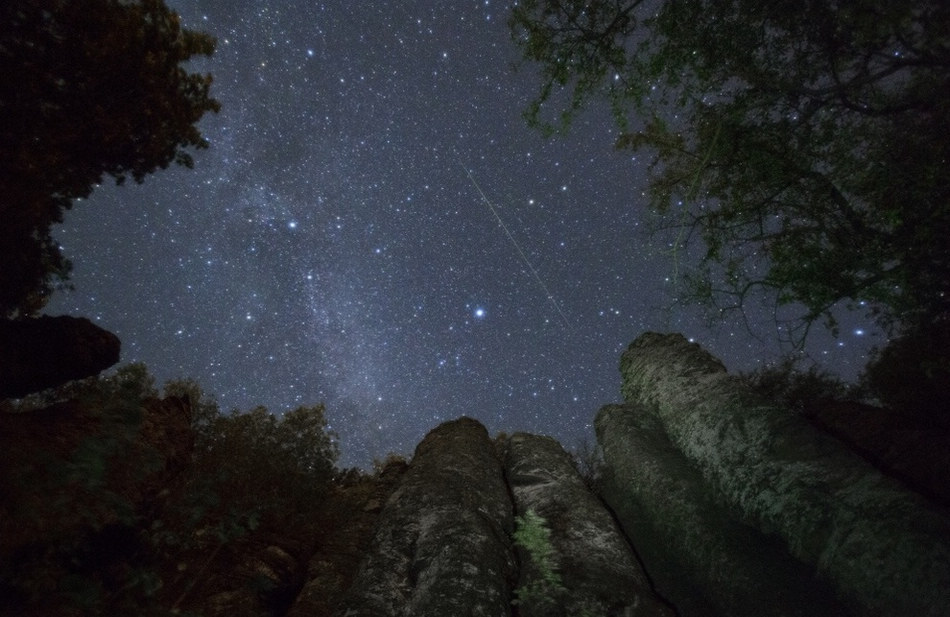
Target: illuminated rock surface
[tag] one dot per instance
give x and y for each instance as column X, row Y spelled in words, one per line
column 885, row 548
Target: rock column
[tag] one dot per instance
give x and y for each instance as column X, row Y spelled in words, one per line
column 442, row 545
column 593, row 560
column 699, row 556
column 886, row 549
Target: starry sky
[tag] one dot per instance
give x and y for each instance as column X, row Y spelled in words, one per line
column 374, row 227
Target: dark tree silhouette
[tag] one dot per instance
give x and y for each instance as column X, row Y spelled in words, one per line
column 803, row 142
column 88, row 88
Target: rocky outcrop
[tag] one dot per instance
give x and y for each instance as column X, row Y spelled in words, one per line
column 443, row 541
column 597, row 569
column 718, row 504
column 701, row 559
column 347, row 523
column 886, row 550
column 44, row 352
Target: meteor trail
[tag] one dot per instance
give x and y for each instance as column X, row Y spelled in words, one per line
column 514, row 242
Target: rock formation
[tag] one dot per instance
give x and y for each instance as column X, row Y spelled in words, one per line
column 442, row 543
column 701, row 558
column 599, row 572
column 712, row 503
column 45, row 352
column 900, row 445
column 885, row 549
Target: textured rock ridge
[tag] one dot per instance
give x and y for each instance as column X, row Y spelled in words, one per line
column 598, row 570
column 887, row 550
column 700, row 558
column 442, row 544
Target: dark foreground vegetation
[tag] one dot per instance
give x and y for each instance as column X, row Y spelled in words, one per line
column 116, row 501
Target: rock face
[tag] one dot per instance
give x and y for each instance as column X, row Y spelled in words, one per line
column 45, row 352
column 699, row 556
column 442, row 544
column 885, row 550
column 599, row 572
column 718, row 504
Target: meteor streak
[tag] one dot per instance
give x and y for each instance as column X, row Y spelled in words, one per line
column 524, row 258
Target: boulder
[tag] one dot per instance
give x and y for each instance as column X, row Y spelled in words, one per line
column 885, row 548
column 700, row 558
column 442, row 542
column 45, row 352
column 598, row 571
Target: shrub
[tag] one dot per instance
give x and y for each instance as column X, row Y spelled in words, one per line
column 541, row 587
column 799, row 390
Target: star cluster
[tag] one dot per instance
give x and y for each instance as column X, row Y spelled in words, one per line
column 374, row 227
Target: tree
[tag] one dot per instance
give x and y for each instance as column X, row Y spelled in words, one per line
column 802, row 142
column 90, row 88
column 264, row 464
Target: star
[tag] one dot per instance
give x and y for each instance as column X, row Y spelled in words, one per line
column 365, row 154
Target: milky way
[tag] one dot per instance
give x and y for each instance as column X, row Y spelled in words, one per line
column 334, row 243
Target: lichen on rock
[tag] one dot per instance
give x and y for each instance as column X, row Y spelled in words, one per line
column 886, row 549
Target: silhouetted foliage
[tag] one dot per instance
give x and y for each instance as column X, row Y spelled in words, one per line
column 268, row 465
column 90, row 88
column 804, row 143
column 114, row 502
column 72, row 476
column 911, row 374
column 799, row 390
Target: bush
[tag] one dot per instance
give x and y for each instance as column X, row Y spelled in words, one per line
column 786, row 385
column 74, row 476
column 911, row 374
column 115, row 503
column 542, row 589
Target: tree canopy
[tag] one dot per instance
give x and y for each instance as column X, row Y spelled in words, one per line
column 803, row 142
column 90, row 88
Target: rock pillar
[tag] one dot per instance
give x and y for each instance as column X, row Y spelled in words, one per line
column 442, row 544
column 594, row 562
column 699, row 557
column 887, row 550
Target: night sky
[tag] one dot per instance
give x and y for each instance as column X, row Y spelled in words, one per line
column 374, row 227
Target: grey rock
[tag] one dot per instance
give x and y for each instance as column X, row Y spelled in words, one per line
column 886, row 549
column 442, row 544
column 598, row 570
column 699, row 557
